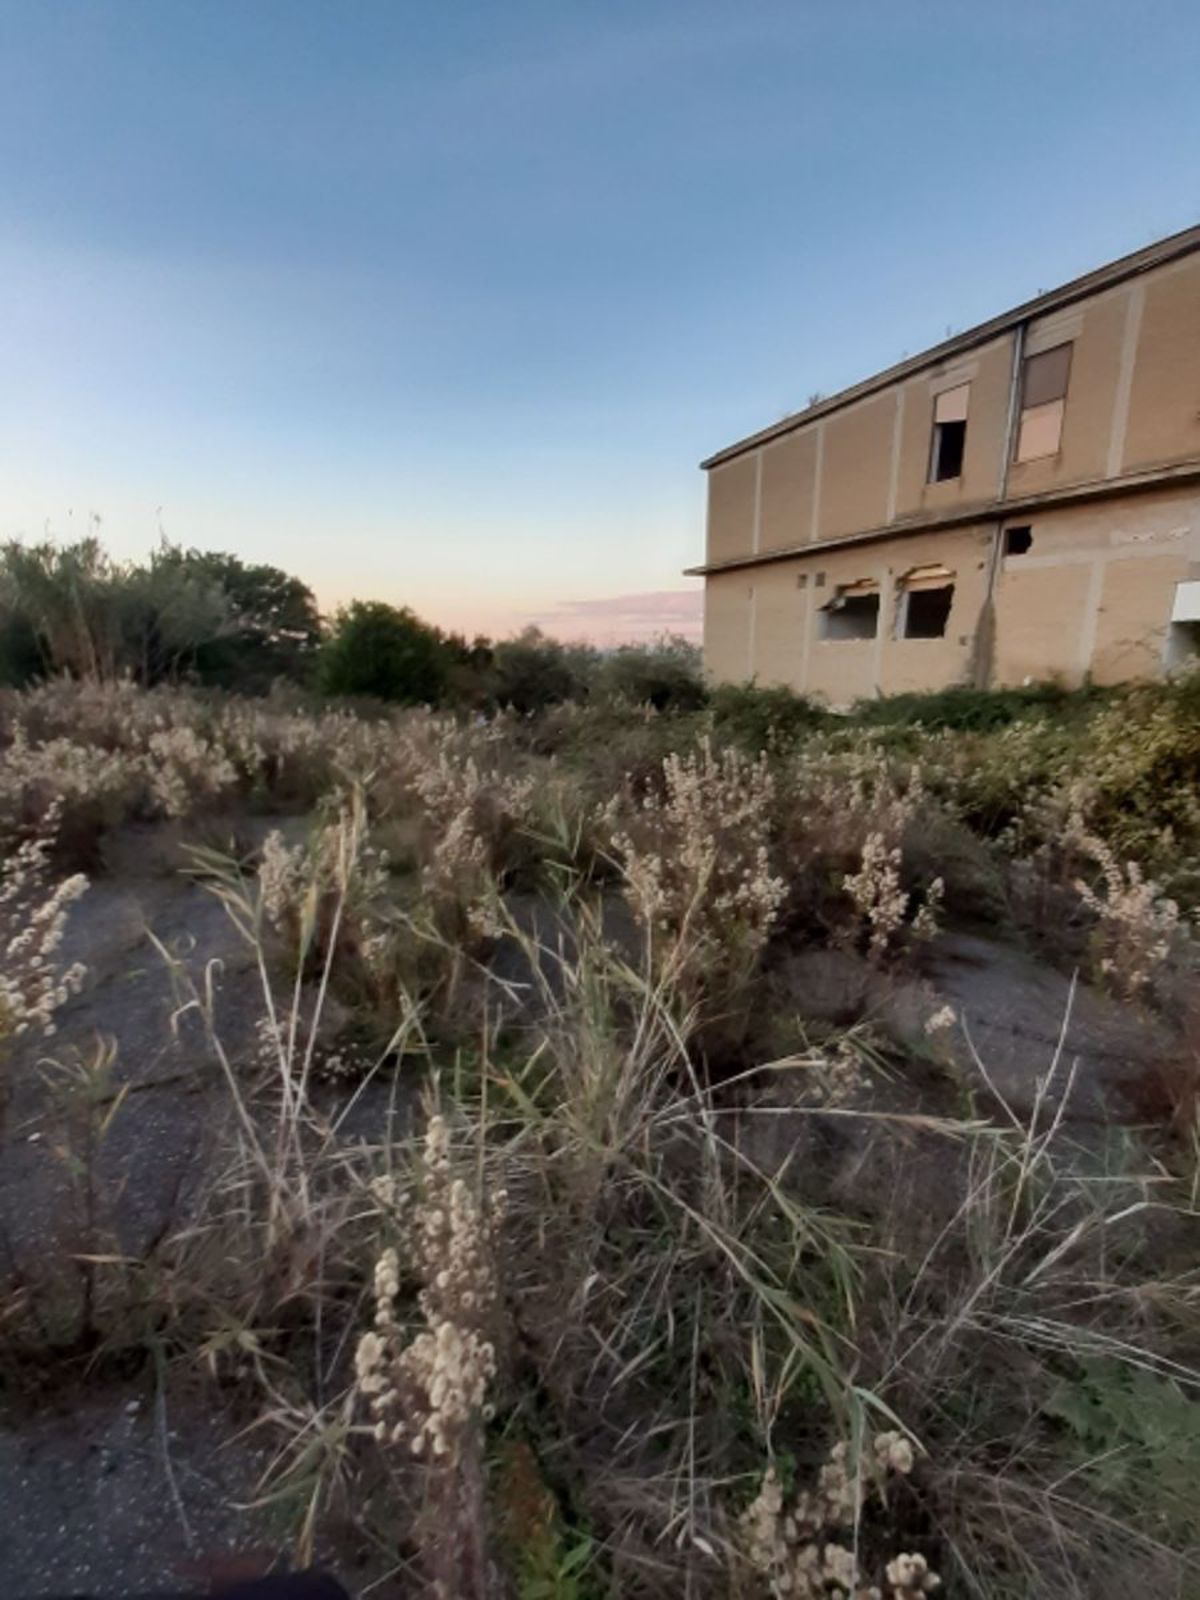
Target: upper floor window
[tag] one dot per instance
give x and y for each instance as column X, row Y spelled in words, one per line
column 949, row 433
column 1043, row 400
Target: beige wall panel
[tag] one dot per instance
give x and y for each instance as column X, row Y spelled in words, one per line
column 841, row 672
column 1135, row 609
column 912, row 665
column 1097, row 335
column 1164, row 403
column 989, row 371
column 1152, row 523
column 1097, row 584
column 856, row 467
column 1128, row 554
column 727, row 627
column 779, row 626
column 731, row 508
column 789, row 470
column 1040, row 617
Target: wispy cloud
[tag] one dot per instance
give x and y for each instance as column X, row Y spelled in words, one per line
column 626, row 618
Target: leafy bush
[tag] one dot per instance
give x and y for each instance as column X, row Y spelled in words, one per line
column 765, row 719
column 272, row 627
column 972, row 710
column 1142, row 773
column 666, row 675
column 71, row 609
column 532, row 672
column 20, row 657
column 385, row 653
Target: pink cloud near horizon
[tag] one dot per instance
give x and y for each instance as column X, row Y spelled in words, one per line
column 625, row 618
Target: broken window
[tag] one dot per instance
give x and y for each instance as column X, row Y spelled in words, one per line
column 1043, row 401
column 949, row 434
column 1017, row 541
column 923, row 607
column 853, row 613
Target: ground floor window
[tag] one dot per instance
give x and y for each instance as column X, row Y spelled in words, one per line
column 923, row 601
column 1018, row 541
column 853, row 613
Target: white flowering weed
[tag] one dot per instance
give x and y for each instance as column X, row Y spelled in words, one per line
column 799, row 1549
column 429, row 1391
column 33, row 914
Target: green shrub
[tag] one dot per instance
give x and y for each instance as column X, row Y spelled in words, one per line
column 1141, row 764
column 383, row 652
column 973, row 710
column 20, row 658
column 71, row 609
column 532, row 672
column 1134, row 1435
column 666, row 675
column 765, row 719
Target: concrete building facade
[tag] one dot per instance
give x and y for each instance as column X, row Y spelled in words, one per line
column 1020, row 502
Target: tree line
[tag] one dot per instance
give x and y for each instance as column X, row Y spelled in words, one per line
column 210, row 618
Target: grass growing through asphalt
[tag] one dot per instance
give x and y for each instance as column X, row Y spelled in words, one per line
column 715, row 1282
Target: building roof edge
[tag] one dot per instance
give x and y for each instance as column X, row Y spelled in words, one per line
column 1185, row 242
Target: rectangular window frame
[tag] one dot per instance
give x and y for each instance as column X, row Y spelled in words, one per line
column 1045, row 380
column 931, row 579
column 854, row 599
column 948, row 436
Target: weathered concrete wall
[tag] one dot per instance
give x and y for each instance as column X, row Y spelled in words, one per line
column 766, row 623
column 1164, row 401
column 781, row 624
column 789, row 476
column 988, row 370
column 842, row 669
column 1093, row 594
column 1133, row 400
column 856, row 467
column 731, row 507
column 727, row 641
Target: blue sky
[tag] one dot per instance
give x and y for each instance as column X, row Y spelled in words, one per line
column 442, row 303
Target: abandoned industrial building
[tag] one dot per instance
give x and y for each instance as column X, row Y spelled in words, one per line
column 1021, row 502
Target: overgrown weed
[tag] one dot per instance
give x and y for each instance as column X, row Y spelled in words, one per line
column 665, row 1322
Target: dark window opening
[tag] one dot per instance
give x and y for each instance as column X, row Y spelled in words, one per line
column 927, row 611
column 949, row 442
column 949, row 434
column 1017, row 541
column 852, row 616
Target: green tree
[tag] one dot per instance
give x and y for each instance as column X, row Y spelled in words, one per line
column 183, row 613
column 64, row 597
column 532, row 672
column 385, row 652
column 169, row 612
column 667, row 674
column 273, row 628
